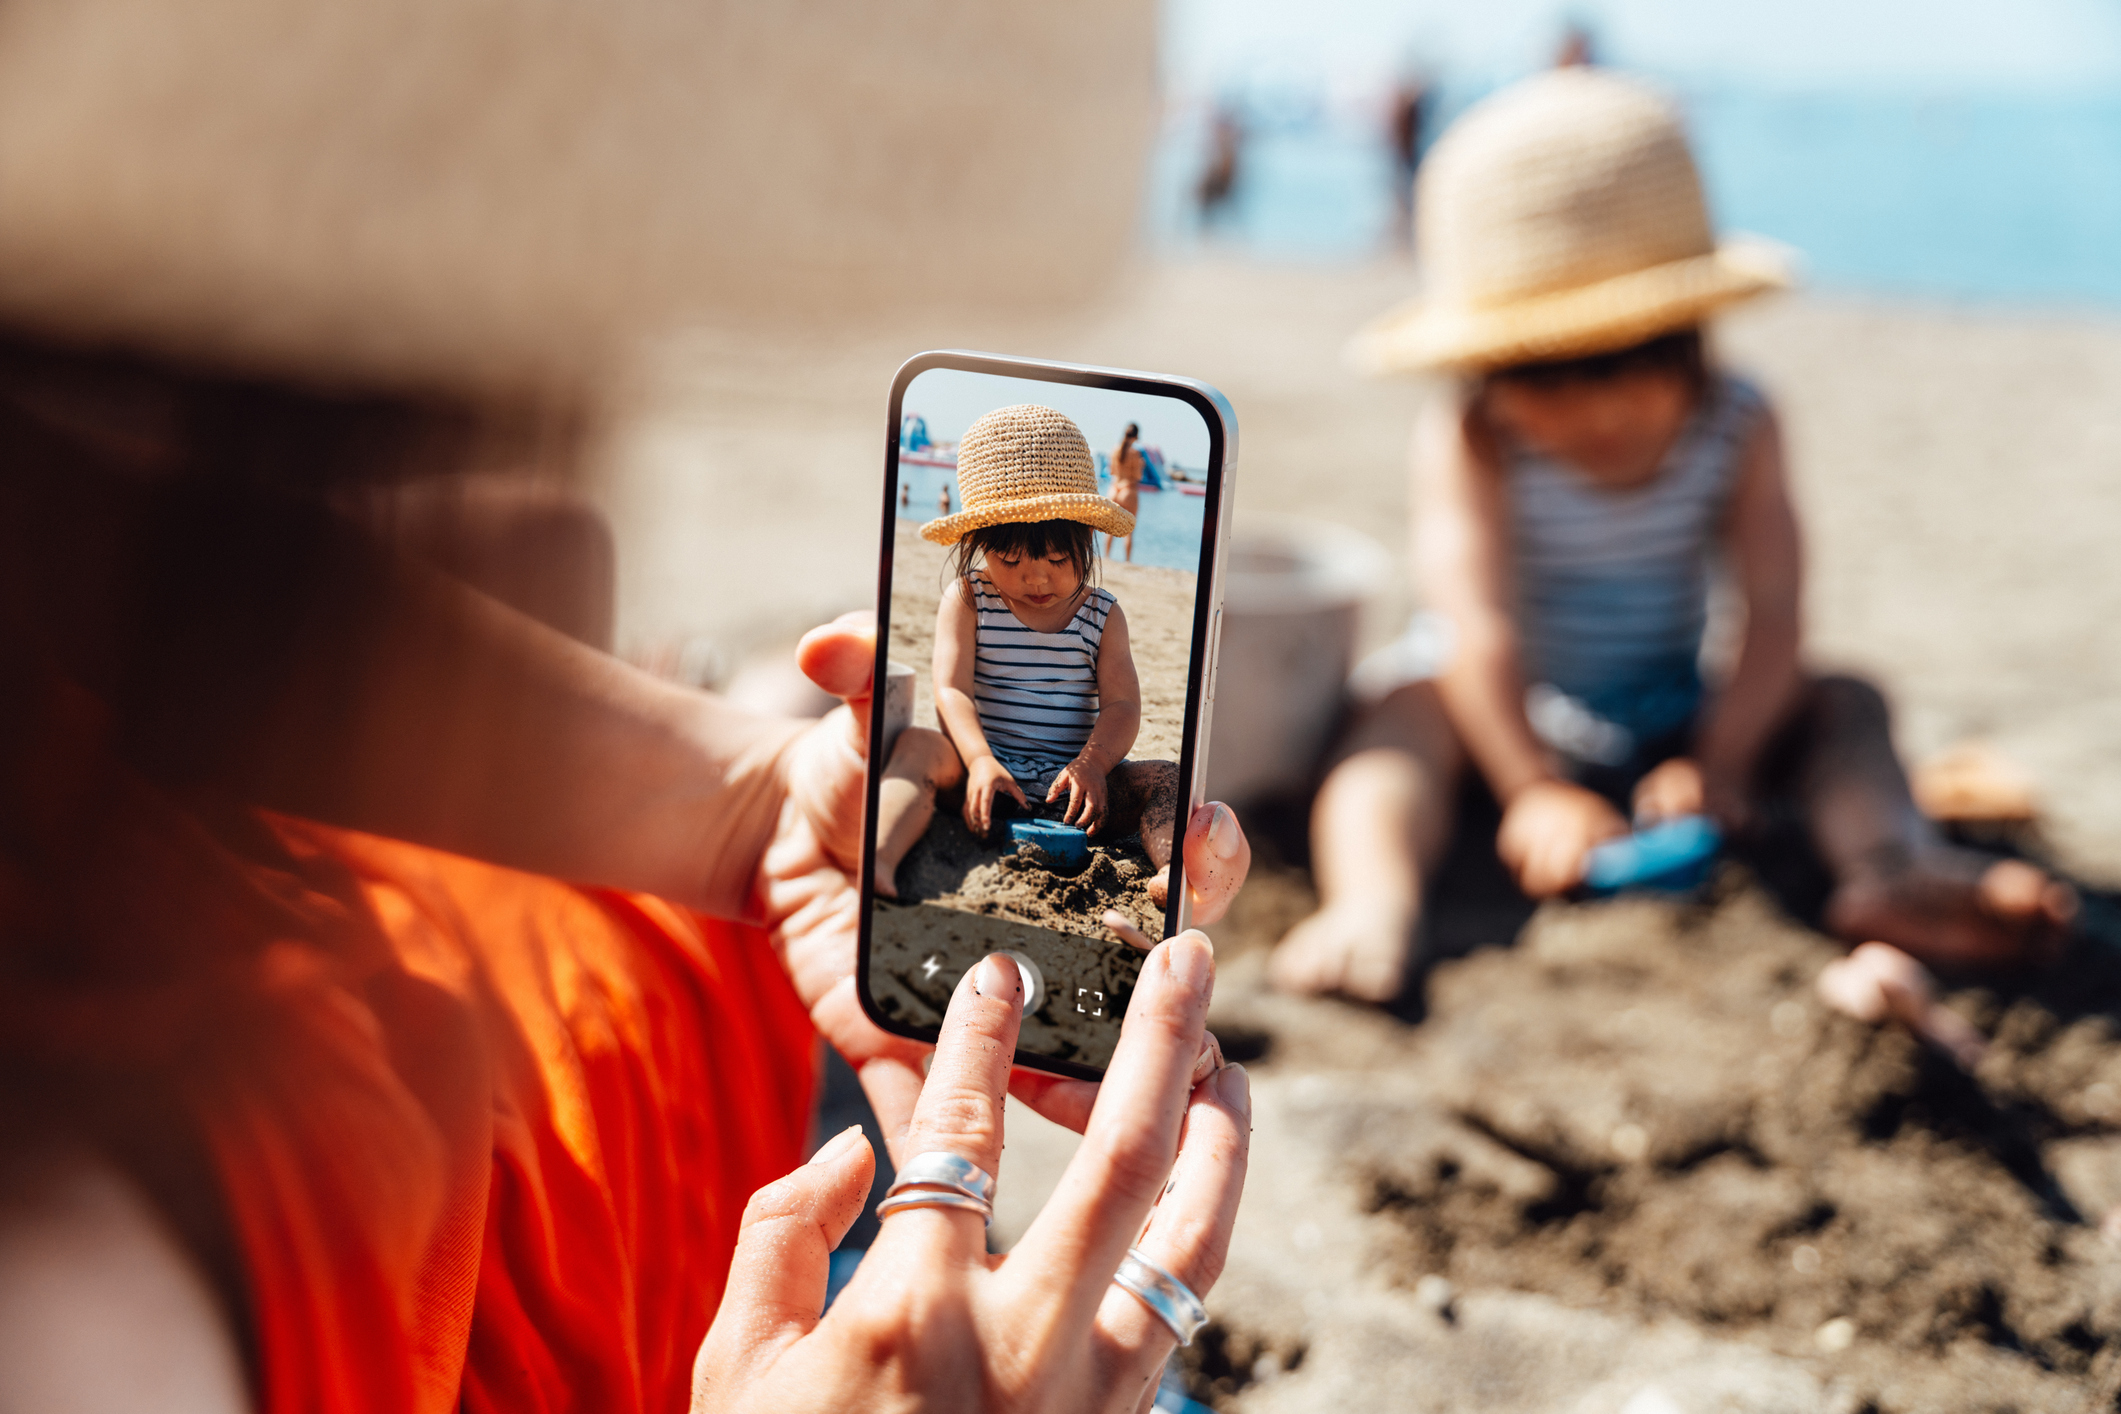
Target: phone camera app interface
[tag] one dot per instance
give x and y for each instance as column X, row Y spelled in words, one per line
column 1047, row 543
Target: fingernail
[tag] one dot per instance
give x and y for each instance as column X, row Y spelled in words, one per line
column 1209, row 1060
column 1191, row 963
column 837, row 1147
column 994, row 979
column 1223, row 835
column 1234, row 1088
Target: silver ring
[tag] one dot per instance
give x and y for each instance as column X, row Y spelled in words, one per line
column 929, row 1198
column 1171, row 1299
column 938, row 1168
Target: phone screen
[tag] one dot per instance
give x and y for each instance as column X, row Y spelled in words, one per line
column 1046, row 615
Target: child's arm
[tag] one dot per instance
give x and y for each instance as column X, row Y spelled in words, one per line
column 1767, row 557
column 1463, row 557
column 1119, row 721
column 956, row 650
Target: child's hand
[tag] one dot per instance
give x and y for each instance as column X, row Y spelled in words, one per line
column 982, row 779
column 1548, row 830
column 1683, row 786
column 1674, row 789
column 1085, row 785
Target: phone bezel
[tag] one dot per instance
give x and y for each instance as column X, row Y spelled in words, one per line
column 1221, row 422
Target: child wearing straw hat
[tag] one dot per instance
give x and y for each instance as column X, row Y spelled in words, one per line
column 1590, row 469
column 1035, row 683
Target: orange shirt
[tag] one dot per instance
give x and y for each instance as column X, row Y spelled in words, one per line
column 483, row 1138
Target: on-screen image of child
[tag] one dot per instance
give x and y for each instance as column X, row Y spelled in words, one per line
column 1035, row 685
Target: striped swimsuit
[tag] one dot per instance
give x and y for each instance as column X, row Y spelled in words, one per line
column 1036, row 692
column 1612, row 590
column 1613, row 586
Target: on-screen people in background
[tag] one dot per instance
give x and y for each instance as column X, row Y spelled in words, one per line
column 1127, row 483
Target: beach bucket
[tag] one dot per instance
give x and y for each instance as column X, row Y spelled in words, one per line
column 1292, row 604
column 897, row 702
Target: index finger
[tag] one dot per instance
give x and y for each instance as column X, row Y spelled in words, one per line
column 960, row 1109
column 1076, row 1243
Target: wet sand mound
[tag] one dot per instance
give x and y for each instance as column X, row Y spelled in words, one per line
column 1641, row 1110
column 952, row 868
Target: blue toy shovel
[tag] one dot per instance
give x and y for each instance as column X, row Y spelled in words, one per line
column 1672, row 856
column 1064, row 842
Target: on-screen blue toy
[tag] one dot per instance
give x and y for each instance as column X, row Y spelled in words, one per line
column 1064, row 842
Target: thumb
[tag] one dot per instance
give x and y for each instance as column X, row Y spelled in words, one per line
column 840, row 657
column 776, row 1287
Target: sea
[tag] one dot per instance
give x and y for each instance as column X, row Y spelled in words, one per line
column 1167, row 525
column 2003, row 198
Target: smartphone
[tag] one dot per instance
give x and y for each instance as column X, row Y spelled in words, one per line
column 1048, row 611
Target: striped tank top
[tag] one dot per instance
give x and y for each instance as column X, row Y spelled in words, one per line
column 1613, row 586
column 1036, row 692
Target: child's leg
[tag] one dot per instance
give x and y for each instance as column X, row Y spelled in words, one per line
column 1378, row 829
column 1895, row 878
column 922, row 763
column 1143, row 795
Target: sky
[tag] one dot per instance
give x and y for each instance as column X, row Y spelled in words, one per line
column 951, row 399
column 1939, row 46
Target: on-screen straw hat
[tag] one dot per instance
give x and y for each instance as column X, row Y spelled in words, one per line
column 1026, row 463
column 1559, row 218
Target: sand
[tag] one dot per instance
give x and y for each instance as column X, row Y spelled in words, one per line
column 1637, row 1165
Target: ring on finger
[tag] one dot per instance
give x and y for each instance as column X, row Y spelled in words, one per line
column 923, row 1198
column 940, row 1179
column 1170, row 1299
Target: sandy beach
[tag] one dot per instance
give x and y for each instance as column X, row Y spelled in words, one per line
column 1630, row 1162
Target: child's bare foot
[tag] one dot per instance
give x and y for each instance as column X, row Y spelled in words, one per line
column 885, row 881
column 1957, row 908
column 1355, row 949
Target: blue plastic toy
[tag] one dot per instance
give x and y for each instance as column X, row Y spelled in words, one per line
column 1673, row 856
column 1064, row 842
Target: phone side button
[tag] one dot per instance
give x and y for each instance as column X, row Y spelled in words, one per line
column 1215, row 648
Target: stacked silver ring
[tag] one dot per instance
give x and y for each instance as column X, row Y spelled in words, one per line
column 938, row 1179
column 1170, row 1299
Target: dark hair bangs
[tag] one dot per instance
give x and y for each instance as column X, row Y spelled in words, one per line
column 1036, row 538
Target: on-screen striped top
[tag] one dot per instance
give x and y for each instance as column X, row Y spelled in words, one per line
column 1036, row 692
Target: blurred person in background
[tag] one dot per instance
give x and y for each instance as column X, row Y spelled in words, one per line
column 1217, row 186
column 402, row 995
column 1575, row 50
column 1592, row 467
column 1410, row 104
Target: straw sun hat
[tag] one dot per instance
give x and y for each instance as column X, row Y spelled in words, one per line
column 1026, row 463
column 1562, row 217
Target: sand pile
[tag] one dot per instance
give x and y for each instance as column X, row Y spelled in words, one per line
column 1642, row 1111
column 952, row 868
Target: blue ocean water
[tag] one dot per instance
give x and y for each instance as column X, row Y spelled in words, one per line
column 1997, row 197
column 1167, row 527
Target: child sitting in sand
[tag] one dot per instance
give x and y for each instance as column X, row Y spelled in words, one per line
column 1591, row 466
column 1034, row 681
